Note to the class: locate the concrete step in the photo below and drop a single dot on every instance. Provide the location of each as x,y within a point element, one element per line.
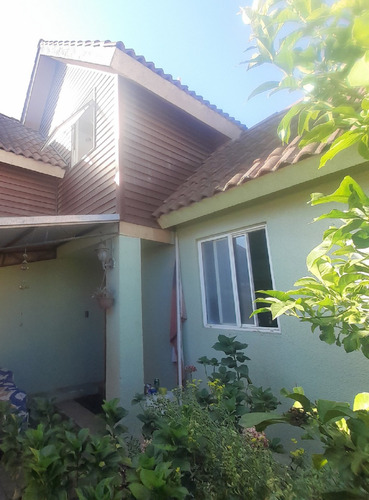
<point>81,416</point>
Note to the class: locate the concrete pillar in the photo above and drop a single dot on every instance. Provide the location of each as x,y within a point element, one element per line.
<point>124,337</point>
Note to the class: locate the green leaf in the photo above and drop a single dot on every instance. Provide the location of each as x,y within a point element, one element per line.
<point>300,398</point>
<point>279,308</point>
<point>342,142</point>
<point>360,32</point>
<point>261,420</point>
<point>264,87</point>
<point>150,479</point>
<point>319,461</point>
<point>359,74</point>
<point>284,128</point>
<point>361,239</point>
<point>139,491</point>
<point>365,103</point>
<point>342,194</point>
<point>361,401</point>
<point>327,334</point>
<point>316,253</point>
<point>243,371</point>
<point>319,133</point>
<point>332,410</point>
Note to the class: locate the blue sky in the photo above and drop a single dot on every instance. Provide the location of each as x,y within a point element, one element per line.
<point>202,42</point>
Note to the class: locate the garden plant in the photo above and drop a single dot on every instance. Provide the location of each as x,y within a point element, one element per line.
<point>322,49</point>
<point>194,446</point>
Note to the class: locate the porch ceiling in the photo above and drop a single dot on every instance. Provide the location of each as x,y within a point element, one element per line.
<point>40,236</point>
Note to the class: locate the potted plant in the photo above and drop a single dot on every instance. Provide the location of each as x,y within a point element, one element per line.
<point>104,297</point>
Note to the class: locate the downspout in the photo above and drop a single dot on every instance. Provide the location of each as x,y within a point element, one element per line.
<point>179,318</point>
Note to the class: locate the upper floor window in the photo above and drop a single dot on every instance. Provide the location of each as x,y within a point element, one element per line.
<point>83,133</point>
<point>233,268</point>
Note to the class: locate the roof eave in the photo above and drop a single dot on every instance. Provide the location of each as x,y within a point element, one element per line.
<point>31,164</point>
<point>268,184</point>
<point>111,58</point>
<point>130,68</point>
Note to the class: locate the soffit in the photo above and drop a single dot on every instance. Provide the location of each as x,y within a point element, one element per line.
<point>44,233</point>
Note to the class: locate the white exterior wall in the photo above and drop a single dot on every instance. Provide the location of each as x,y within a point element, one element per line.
<point>295,356</point>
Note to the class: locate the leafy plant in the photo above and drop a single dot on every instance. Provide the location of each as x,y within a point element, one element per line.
<point>334,299</point>
<point>322,49</point>
<point>230,379</point>
<point>212,458</point>
<point>55,459</point>
<point>344,433</point>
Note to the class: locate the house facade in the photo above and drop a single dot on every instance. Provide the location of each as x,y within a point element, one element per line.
<point>111,152</point>
<point>104,139</point>
<point>211,233</point>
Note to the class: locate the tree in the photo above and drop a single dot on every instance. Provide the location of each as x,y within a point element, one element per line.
<point>322,49</point>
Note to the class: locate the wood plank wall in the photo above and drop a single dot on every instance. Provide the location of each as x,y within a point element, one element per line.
<point>161,147</point>
<point>26,193</point>
<point>88,187</point>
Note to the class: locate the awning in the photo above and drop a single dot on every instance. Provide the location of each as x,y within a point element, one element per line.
<point>40,236</point>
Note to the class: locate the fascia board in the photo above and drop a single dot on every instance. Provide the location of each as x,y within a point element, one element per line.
<point>131,69</point>
<point>31,164</point>
<point>57,220</point>
<point>269,184</point>
<point>146,233</point>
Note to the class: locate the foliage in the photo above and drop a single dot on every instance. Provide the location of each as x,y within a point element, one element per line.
<point>194,451</point>
<point>57,460</point>
<point>322,49</point>
<point>230,375</point>
<point>213,458</point>
<point>334,299</point>
<point>344,433</point>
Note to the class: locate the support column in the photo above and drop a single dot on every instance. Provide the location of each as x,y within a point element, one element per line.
<point>124,336</point>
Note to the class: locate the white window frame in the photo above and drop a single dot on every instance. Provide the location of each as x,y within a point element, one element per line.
<point>239,325</point>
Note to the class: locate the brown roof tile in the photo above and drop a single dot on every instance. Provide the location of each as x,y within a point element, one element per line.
<point>148,64</point>
<point>18,139</point>
<point>258,151</point>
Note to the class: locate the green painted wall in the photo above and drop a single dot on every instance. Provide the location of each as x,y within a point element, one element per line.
<point>45,337</point>
<point>157,279</point>
<point>124,355</point>
<point>294,356</point>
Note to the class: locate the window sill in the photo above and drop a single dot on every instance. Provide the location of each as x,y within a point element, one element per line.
<point>251,328</point>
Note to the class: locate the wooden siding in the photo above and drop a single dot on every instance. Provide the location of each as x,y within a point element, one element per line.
<point>89,186</point>
<point>161,146</point>
<point>25,193</point>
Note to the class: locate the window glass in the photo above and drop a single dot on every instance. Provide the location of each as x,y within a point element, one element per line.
<point>245,297</point>
<point>218,282</point>
<point>234,268</point>
<point>225,287</point>
<point>261,272</point>
<point>83,134</point>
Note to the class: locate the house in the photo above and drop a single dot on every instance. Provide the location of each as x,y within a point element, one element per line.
<point>112,154</point>
<point>104,139</point>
